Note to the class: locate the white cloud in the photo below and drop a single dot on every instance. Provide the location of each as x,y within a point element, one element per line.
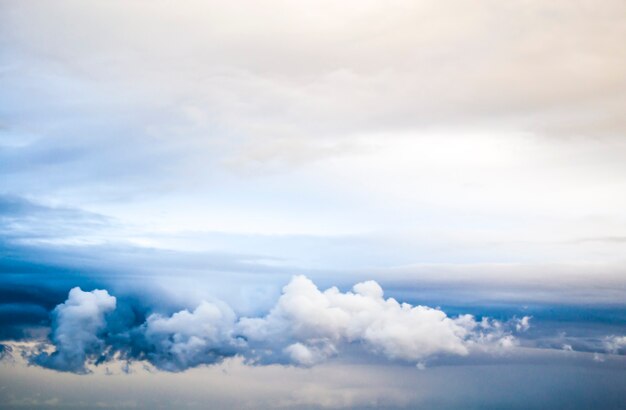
<point>187,339</point>
<point>523,324</point>
<point>348,106</point>
<point>314,325</point>
<point>77,324</point>
<point>615,344</point>
<point>309,355</point>
<point>291,69</point>
<point>305,327</point>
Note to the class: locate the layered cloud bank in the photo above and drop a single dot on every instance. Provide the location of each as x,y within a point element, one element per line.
<point>306,326</point>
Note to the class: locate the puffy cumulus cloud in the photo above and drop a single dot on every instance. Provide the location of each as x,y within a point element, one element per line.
<point>313,325</point>
<point>306,326</point>
<point>187,339</point>
<point>78,324</point>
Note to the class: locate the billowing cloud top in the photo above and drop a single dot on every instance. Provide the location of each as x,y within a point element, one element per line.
<point>313,324</point>
<point>305,327</point>
<point>77,326</point>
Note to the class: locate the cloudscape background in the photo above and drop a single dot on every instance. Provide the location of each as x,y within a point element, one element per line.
<point>312,204</point>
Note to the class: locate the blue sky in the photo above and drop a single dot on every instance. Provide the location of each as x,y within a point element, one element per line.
<point>204,172</point>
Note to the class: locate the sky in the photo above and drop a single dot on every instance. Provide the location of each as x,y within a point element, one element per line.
<point>312,204</point>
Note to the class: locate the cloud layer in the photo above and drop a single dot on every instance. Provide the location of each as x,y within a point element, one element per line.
<point>381,135</point>
<point>305,327</point>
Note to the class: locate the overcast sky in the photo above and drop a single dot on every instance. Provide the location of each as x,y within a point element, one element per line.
<point>194,156</point>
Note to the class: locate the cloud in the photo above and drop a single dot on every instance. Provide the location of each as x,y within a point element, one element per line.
<point>25,221</point>
<point>214,87</point>
<point>77,325</point>
<point>279,70</point>
<point>312,325</point>
<point>188,339</point>
<point>305,327</point>
<point>523,324</point>
<point>5,351</point>
<point>615,344</point>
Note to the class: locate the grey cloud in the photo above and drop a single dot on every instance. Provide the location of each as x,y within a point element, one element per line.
<point>23,219</point>
<point>16,207</point>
